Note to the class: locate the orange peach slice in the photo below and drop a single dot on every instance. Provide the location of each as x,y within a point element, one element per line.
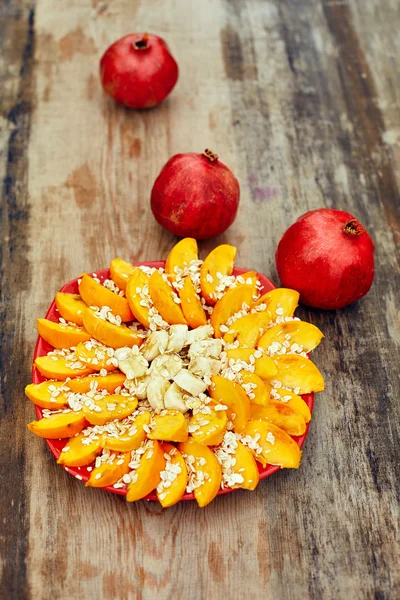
<point>231,302</point>
<point>258,389</point>
<point>70,307</point>
<point>220,261</point>
<point>120,271</point>
<point>95,294</point>
<point>301,334</point>
<point>181,255</point>
<point>192,308</point>
<point>299,373</point>
<point>283,300</point>
<point>281,415</point>
<point>147,476</point>
<point>115,336</point>
<point>203,468</point>
<point>264,366</point>
<point>48,394</point>
<point>110,382</point>
<point>59,369</point>
<point>293,401</point>
<point>108,408</point>
<point>80,451</point>
<point>133,438</point>
<point>110,471</point>
<point>169,426</point>
<point>136,283</point>
<point>273,445</point>
<point>245,466</point>
<point>59,425</point>
<point>170,493</point>
<point>163,299</point>
<point>209,429</point>
<point>248,329</point>
<point>94,355</point>
<point>61,335</point>
<point>232,395</point>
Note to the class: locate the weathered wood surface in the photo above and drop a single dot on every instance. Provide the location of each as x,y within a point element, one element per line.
<point>302,100</point>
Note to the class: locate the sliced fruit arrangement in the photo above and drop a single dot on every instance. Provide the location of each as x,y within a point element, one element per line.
<point>175,382</point>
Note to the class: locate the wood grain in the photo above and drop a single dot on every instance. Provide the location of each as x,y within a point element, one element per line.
<point>302,101</point>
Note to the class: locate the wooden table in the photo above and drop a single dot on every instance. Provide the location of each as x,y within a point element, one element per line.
<point>301,99</point>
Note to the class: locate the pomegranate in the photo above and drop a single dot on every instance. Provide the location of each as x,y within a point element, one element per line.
<point>138,70</point>
<point>195,195</point>
<point>328,257</point>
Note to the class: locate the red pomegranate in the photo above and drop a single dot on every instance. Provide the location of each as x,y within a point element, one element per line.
<point>195,195</point>
<point>328,257</point>
<point>138,70</point>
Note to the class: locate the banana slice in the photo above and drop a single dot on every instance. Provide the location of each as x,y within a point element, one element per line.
<point>189,382</point>
<point>174,399</point>
<point>166,366</point>
<point>211,348</point>
<point>133,365</point>
<point>204,365</point>
<point>155,344</point>
<point>177,337</point>
<point>203,332</point>
<point>156,390</point>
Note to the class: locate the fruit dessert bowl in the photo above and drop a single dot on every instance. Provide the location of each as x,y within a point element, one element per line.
<point>174,381</point>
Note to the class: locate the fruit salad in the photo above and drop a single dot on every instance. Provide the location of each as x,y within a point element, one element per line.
<point>186,379</point>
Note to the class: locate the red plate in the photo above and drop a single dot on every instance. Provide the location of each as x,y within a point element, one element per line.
<point>42,348</point>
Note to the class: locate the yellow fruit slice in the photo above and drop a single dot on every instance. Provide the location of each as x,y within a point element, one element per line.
<point>146,477</point>
<point>205,473</point>
<point>59,425</point>
<point>100,411</point>
<point>247,467</point>
<point>220,261</point>
<point>94,355</point>
<point>70,307</point>
<point>120,271</point>
<point>110,471</point>
<point>61,335</point>
<point>49,394</point>
<point>133,438</point>
<point>137,282</point>
<point>264,366</point>
<point>293,401</point>
<point>181,255</point>
<point>80,450</point>
<point>169,426</point>
<point>171,489</point>
<point>59,369</point>
<point>232,395</point>
<point>95,294</point>
<point>301,334</point>
<point>248,329</point>
<point>271,445</point>
<point>281,415</point>
<point>299,373</point>
<point>239,468</point>
<point>115,336</point>
<point>163,299</point>
<point>109,382</point>
<point>258,390</point>
<point>209,429</point>
<point>192,308</point>
<point>231,302</point>
<point>277,299</point>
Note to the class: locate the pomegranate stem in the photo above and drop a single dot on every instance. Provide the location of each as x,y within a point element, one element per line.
<point>353,227</point>
<point>212,157</point>
<point>142,43</point>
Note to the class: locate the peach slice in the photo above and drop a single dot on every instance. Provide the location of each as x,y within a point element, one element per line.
<point>293,401</point>
<point>80,451</point>
<point>279,298</point>
<point>108,408</point>
<point>133,438</point>
<point>120,271</point>
<point>95,294</point>
<point>230,303</point>
<point>221,261</point>
<point>170,493</point>
<point>302,334</point>
<point>264,366</point>
<point>147,476</point>
<point>136,283</point>
<point>192,308</point>
<point>203,468</point>
<point>59,425</point>
<point>248,329</point>
<point>94,355</point>
<point>70,307</point>
<point>48,394</point>
<point>109,382</point>
<point>181,255</point>
<point>110,471</point>
<point>61,335</point>
<point>296,371</point>
<point>271,445</point>
<point>59,369</point>
<point>245,466</point>
<point>259,389</point>
<point>163,299</point>
<point>169,426</point>
<point>209,429</point>
<point>232,395</point>
<point>116,336</point>
<point>281,415</point>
